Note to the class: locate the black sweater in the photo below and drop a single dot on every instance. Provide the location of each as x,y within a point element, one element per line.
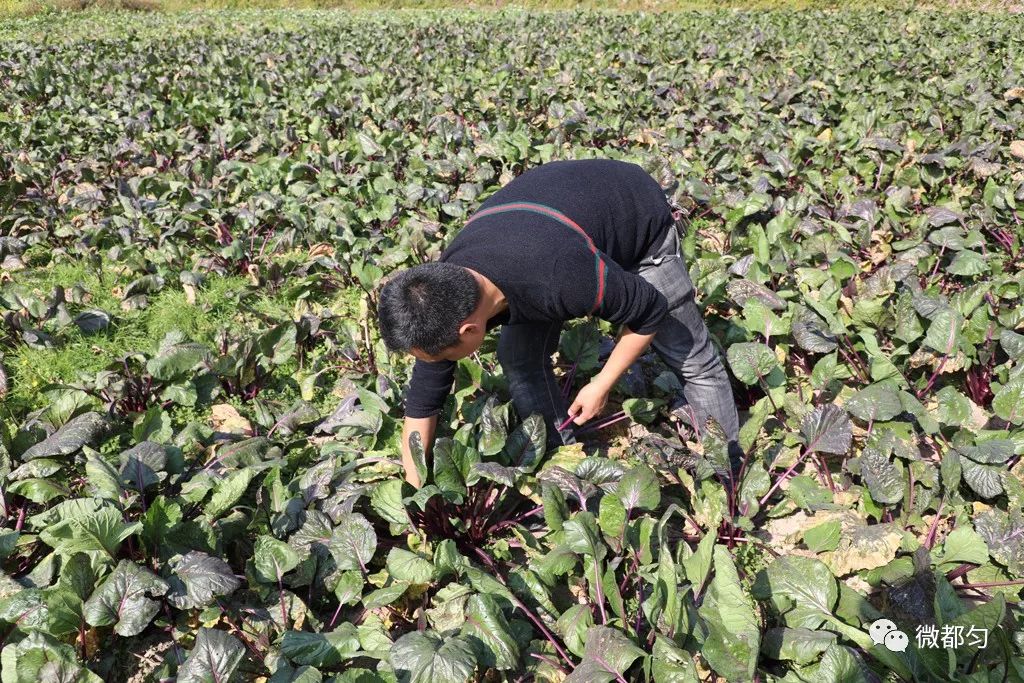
<point>558,242</point>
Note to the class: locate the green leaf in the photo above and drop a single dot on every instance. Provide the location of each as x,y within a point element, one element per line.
<point>214,659</point>
<point>642,410</point>
<point>639,488</point>
<point>425,657</point>
<point>492,471</point>
<point>827,429</point>
<point>984,480</point>
<point>198,578</point>
<point>228,492</point>
<point>611,516</point>
<point>39,491</point>
<point>606,657</point>
<point>493,427</point>
<point>25,609</point>
<point>801,589</point>
<point>487,628</point>
<point>671,664</point>
<point>41,658</point>
<point>811,333</point>
<point>104,480</point>
<point>85,429</point>
<point>556,509</point>
<point>943,334</point>
<point>573,626</point>
<point>100,531</point>
<point>734,634</point>
<point>839,665</point>
<point>448,474</point>
<point>349,588</point>
<point>967,263</point>
<point>353,542</point>
<point>1003,533</point>
<point>698,565</point>
<point>321,649</point>
<point>385,596</point>
<point>883,478</point>
<point>953,407</point>
<point>582,536</point>
<point>991,452</point>
<point>823,537</point>
<point>962,545</point>
<point>407,566</point>
<point>876,403</point>
<point>272,559</point>
<point>386,500</point>
<point>1013,343</point>
<point>303,674</point>
<point>799,645</point>
<point>1008,402</point>
<point>419,457</point>
<point>751,361</point>
<point>121,599</point>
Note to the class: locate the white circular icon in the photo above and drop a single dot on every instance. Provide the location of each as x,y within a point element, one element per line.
<point>884,632</point>
<point>896,641</point>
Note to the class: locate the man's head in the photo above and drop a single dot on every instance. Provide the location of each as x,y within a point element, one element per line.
<point>430,311</point>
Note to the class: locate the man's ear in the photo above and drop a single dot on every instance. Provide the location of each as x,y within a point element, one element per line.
<point>467,327</point>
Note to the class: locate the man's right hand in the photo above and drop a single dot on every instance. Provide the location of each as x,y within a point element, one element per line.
<point>426,426</point>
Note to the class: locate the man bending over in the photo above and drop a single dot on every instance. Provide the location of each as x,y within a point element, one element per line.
<point>564,240</point>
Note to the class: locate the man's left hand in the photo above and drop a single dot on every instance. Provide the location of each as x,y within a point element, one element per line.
<point>589,402</point>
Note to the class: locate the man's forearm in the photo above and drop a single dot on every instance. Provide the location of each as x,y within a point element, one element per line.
<point>426,426</point>
<point>629,347</point>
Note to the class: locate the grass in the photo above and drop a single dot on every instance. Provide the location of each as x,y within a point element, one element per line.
<point>130,331</point>
<point>222,302</point>
<point>29,7</point>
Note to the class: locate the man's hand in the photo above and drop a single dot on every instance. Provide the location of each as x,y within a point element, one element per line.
<point>593,397</point>
<point>589,402</point>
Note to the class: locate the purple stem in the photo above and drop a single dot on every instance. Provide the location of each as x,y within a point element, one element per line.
<point>783,478</point>
<point>606,422</point>
<point>335,617</point>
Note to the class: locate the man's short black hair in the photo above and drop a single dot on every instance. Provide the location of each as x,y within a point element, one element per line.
<point>424,306</point>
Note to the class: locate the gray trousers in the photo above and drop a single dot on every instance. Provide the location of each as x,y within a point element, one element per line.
<point>682,341</point>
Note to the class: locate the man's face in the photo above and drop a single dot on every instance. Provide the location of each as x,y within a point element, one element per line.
<point>470,339</point>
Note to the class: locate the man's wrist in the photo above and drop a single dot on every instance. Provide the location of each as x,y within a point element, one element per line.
<point>603,381</point>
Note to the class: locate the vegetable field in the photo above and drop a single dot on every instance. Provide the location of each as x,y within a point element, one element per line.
<point>199,476</point>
